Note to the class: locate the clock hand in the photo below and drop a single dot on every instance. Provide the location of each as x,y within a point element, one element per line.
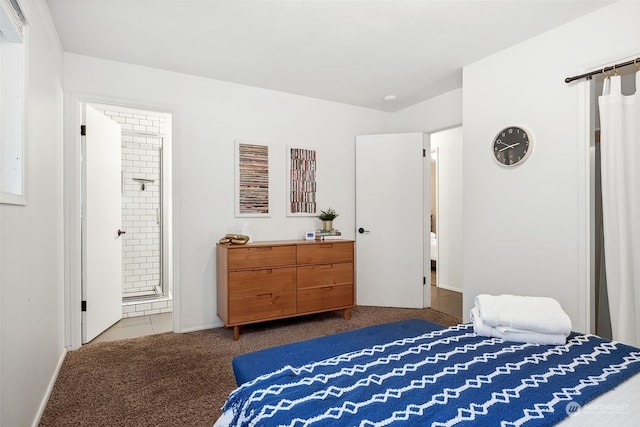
<point>509,146</point>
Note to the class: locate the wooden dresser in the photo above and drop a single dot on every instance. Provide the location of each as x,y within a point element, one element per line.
<point>273,280</point>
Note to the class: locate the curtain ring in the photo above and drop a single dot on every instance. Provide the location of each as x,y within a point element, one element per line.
<point>606,74</point>
<point>635,61</point>
<point>615,72</point>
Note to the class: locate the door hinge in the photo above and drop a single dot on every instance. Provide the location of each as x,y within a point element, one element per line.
<point>83,306</point>
<point>424,152</point>
<point>424,280</point>
<point>83,130</point>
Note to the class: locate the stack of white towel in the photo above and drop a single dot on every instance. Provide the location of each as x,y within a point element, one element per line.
<point>538,320</point>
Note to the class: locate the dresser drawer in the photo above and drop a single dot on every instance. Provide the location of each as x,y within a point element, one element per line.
<point>260,256</point>
<point>247,283</point>
<point>313,276</point>
<point>325,252</point>
<point>265,306</point>
<point>325,298</point>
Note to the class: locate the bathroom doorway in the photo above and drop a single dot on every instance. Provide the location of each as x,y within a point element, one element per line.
<point>144,175</point>
<point>600,308</point>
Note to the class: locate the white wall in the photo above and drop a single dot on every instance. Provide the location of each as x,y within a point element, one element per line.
<point>526,229</point>
<point>436,116</point>
<point>208,116</point>
<point>438,113</point>
<point>31,246</point>
<point>448,144</point>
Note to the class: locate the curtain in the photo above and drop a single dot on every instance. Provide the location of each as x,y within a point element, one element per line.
<point>620,151</point>
<point>603,317</point>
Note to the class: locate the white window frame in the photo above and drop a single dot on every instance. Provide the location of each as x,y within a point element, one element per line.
<point>12,103</point>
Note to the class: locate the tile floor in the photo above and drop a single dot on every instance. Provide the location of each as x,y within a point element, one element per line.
<point>133,327</point>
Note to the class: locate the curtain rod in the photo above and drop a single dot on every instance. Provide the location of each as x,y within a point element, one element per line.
<point>604,70</point>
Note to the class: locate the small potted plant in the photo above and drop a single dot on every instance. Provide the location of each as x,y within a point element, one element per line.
<point>327,218</point>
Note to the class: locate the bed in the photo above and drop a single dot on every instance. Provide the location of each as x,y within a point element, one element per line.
<point>415,372</point>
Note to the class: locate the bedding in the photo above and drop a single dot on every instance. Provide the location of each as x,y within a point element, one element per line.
<point>517,318</point>
<point>523,313</point>
<point>249,366</point>
<point>437,377</point>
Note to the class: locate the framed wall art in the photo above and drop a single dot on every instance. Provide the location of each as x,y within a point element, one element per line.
<point>301,181</point>
<point>251,179</point>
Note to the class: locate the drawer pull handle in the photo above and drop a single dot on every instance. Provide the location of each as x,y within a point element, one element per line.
<point>261,296</point>
<point>327,246</point>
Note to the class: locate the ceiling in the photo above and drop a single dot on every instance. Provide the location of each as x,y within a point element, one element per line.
<point>354,52</point>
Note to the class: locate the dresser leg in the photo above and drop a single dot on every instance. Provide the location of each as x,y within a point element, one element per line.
<point>347,314</point>
<point>236,333</point>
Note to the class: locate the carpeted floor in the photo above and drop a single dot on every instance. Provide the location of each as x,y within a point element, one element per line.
<point>182,379</point>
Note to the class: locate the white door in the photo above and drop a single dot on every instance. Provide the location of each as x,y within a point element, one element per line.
<point>392,205</point>
<point>102,243</point>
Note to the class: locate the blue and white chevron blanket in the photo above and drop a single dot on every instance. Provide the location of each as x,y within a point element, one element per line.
<point>441,378</point>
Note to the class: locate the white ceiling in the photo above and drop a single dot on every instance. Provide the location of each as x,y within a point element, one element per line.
<point>353,52</point>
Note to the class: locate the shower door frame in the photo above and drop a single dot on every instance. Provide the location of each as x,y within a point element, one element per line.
<point>164,284</point>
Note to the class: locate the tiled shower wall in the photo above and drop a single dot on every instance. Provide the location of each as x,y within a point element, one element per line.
<point>141,213</point>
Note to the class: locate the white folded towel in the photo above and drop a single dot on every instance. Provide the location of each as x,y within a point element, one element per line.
<point>481,328</point>
<point>517,314</point>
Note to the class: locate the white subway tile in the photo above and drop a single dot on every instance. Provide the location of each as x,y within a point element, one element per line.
<point>159,305</point>
<point>143,307</point>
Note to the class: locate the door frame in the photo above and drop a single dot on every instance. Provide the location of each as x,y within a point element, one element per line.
<point>426,220</point>
<point>435,184</point>
<point>445,264</point>
<point>72,315</point>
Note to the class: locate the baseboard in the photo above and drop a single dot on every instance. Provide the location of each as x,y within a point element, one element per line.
<point>47,395</point>
<point>449,288</point>
<point>202,327</point>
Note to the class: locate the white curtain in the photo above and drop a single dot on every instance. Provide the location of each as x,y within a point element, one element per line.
<point>620,151</point>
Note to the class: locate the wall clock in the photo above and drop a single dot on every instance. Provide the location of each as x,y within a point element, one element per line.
<point>512,146</point>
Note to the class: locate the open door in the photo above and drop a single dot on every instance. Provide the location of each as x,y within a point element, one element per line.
<point>101,217</point>
<point>392,210</point>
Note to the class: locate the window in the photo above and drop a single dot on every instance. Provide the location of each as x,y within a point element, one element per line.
<point>12,83</point>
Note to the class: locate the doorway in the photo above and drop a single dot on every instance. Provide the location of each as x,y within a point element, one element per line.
<point>600,307</point>
<point>433,216</point>
<point>446,221</point>
<point>144,177</point>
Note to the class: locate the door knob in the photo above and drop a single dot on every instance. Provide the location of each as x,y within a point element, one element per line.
<point>362,230</point>
<point>120,232</point>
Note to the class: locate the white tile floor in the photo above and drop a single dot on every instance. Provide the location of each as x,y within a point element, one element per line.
<point>133,327</point>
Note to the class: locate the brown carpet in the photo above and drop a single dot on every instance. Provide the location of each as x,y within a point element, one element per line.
<point>182,379</point>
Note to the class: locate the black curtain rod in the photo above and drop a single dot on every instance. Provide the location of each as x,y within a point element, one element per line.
<point>604,70</point>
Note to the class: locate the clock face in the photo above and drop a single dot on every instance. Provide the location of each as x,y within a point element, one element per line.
<point>512,146</point>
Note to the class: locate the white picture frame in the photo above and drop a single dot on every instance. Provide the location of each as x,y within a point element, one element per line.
<point>302,181</point>
<point>252,179</point>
